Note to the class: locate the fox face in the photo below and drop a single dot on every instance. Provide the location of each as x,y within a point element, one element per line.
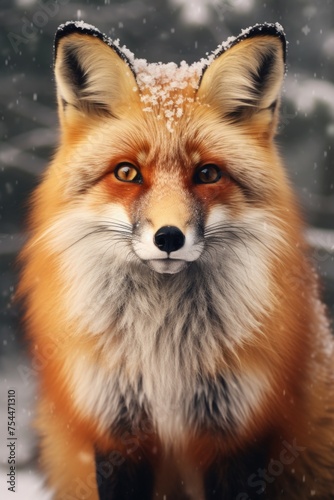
<point>166,170</point>
<point>166,206</point>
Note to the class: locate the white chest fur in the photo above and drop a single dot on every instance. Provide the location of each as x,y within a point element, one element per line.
<point>166,393</point>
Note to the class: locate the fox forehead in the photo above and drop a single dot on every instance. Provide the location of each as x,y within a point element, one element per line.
<point>142,137</point>
<point>199,134</point>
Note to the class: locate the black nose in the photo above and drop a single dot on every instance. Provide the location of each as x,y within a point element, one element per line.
<point>169,239</point>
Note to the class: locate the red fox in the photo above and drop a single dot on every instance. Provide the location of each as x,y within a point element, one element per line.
<point>167,270</point>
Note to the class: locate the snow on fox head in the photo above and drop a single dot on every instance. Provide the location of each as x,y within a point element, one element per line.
<point>167,170</point>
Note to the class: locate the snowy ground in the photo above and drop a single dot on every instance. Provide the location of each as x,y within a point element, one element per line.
<point>29,487</point>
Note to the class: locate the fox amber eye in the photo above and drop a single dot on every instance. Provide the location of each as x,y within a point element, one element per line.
<point>126,172</point>
<point>208,174</point>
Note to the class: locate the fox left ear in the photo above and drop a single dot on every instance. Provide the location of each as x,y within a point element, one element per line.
<point>244,80</point>
<point>94,77</point>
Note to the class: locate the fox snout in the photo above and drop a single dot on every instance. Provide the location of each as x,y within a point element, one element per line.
<point>168,249</point>
<point>167,235</point>
<point>168,239</point>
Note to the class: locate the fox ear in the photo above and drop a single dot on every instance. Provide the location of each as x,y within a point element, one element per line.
<point>93,75</point>
<point>244,80</point>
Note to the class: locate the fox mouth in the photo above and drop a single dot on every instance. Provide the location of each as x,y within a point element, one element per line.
<point>167,266</point>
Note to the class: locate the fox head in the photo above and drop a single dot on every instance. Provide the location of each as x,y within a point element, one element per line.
<point>167,170</point>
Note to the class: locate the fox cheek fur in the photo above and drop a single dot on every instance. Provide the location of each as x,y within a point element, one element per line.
<point>167,271</point>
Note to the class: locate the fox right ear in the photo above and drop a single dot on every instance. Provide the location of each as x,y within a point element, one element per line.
<point>93,75</point>
<point>244,80</point>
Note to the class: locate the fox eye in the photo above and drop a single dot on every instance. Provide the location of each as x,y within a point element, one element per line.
<point>126,172</point>
<point>207,174</point>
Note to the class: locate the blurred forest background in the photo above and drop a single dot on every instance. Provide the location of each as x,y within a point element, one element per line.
<point>157,30</point>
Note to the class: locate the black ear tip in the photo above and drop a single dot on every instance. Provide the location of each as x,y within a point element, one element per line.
<point>274,29</point>
<point>75,27</point>
<point>264,29</point>
<point>271,29</point>
<point>83,28</point>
